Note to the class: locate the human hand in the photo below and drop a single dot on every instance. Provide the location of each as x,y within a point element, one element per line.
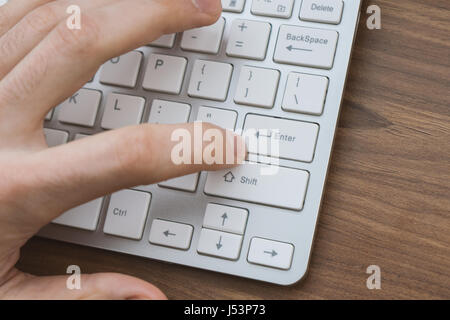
<point>42,63</point>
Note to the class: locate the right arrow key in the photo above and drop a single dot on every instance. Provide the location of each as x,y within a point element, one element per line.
<point>270,253</point>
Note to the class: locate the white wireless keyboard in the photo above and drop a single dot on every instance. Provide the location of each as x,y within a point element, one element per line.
<point>276,65</point>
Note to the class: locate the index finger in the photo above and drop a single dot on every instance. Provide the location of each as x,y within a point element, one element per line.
<point>89,168</point>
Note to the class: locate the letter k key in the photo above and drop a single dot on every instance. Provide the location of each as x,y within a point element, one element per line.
<point>73,99</point>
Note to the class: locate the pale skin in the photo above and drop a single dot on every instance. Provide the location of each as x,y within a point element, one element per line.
<point>42,63</point>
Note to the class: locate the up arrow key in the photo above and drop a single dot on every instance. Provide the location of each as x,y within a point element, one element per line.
<point>224,217</point>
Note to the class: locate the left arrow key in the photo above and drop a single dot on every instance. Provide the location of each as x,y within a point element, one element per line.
<point>171,234</point>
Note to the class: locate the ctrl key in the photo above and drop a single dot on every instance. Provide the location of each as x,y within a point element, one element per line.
<point>171,234</point>
<point>270,253</point>
<point>127,213</point>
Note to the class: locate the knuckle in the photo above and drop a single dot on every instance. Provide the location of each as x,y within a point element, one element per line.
<point>22,86</point>
<point>40,19</point>
<point>4,19</point>
<point>77,41</point>
<point>8,47</point>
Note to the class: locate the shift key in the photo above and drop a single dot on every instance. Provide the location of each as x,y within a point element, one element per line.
<point>259,183</point>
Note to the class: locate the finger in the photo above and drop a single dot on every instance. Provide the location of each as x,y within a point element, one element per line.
<point>110,286</point>
<point>60,178</point>
<point>13,11</point>
<point>66,59</point>
<point>20,39</point>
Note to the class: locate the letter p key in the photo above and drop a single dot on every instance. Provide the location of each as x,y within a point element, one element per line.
<point>159,63</point>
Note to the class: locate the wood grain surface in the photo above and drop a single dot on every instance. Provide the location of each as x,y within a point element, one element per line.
<point>388,194</point>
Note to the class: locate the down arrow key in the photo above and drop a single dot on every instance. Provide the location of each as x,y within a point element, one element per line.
<point>219,244</point>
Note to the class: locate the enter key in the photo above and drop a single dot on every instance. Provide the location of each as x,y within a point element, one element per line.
<point>281,138</point>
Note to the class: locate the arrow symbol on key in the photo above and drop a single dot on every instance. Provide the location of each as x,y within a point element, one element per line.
<point>168,233</point>
<point>273,253</point>
<point>224,217</point>
<point>262,134</point>
<point>290,48</point>
<point>219,245</point>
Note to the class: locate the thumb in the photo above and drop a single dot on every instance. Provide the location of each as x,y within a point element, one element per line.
<point>99,286</point>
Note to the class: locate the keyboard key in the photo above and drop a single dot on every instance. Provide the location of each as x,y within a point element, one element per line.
<point>206,39</point>
<point>122,71</point>
<point>305,93</point>
<point>55,137</point>
<point>84,216</point>
<point>264,184</point>
<point>81,108</point>
<point>233,5</point>
<point>225,218</point>
<point>184,183</point>
<point>273,8</point>
<point>49,115</point>
<point>270,253</point>
<point>296,139</point>
<point>80,136</point>
<point>306,47</point>
<point>171,234</point>
<point>164,73</point>
<point>248,39</point>
<point>122,110</point>
<point>165,41</point>
<point>220,117</point>
<point>210,80</point>
<point>127,213</point>
<point>219,244</point>
<point>168,112</point>
<point>257,87</point>
<point>325,11</point>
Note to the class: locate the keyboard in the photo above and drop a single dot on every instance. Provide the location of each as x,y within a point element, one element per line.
<point>277,67</point>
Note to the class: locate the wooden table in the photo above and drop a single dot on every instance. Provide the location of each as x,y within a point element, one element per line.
<point>387,198</point>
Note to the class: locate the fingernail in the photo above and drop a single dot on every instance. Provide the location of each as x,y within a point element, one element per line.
<point>206,6</point>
